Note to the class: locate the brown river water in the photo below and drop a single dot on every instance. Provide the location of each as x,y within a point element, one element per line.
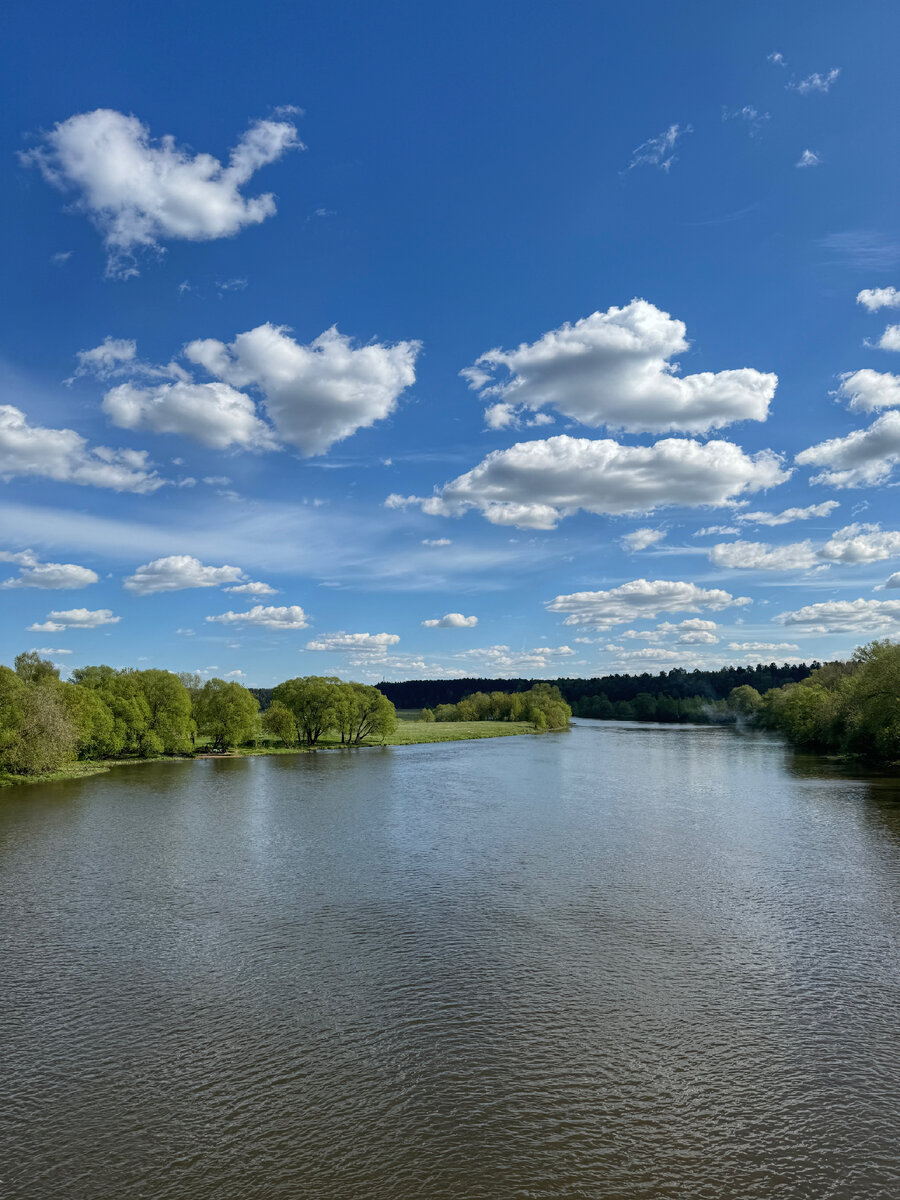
<point>619,963</point>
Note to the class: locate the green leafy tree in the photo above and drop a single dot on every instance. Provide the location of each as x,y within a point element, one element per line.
<point>870,702</point>
<point>96,735</point>
<point>745,700</point>
<point>171,721</point>
<point>226,713</point>
<point>427,714</point>
<point>41,736</point>
<point>312,702</point>
<point>373,715</point>
<point>31,668</point>
<point>12,713</point>
<point>278,721</point>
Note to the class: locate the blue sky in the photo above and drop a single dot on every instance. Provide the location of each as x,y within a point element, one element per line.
<point>249,252</point>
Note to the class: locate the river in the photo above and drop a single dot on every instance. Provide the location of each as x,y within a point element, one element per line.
<point>619,963</point>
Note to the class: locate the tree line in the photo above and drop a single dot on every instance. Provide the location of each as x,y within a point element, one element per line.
<point>103,713</point>
<point>677,684</point>
<point>541,706</point>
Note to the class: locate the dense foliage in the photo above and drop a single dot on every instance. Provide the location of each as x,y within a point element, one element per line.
<point>542,706</point>
<point>844,707</point>
<point>303,710</point>
<point>677,684</point>
<point>103,713</point>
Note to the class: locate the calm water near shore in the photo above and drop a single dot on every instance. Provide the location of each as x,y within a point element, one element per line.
<point>620,963</point>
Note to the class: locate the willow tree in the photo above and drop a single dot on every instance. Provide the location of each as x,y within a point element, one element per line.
<point>312,701</point>
<point>226,713</point>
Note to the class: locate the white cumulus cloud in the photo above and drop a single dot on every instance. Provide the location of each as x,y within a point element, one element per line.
<point>862,618</point>
<point>809,158</point>
<point>453,620</point>
<point>640,539</point>
<point>692,632</point>
<point>865,456</point>
<point>535,484</point>
<point>868,390</point>
<point>875,298</point>
<point>176,572</point>
<point>64,456</point>
<point>890,339</point>
<point>861,544</point>
<point>266,616</point>
<point>639,599</point>
<point>33,573</point>
<point>215,414</point>
<point>614,368</point>
<point>359,643</point>
<point>318,394</point>
<point>141,193</point>
<point>252,588</point>
<point>75,618</point>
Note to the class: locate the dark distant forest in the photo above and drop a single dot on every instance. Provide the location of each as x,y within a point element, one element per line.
<point>596,697</point>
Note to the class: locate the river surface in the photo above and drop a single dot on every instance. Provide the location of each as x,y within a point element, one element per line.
<point>619,963</point>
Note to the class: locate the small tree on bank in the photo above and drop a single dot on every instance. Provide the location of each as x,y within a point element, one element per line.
<point>278,720</point>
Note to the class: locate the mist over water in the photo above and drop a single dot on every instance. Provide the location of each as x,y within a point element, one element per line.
<point>625,962</point>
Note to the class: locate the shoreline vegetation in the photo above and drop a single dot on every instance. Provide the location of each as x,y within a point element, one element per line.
<point>53,730</point>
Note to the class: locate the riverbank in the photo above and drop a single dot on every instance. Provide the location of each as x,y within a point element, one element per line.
<point>407,733</point>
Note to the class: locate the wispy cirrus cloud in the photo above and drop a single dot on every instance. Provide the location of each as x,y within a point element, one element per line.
<point>867,249</point>
<point>659,151</point>
<point>816,82</point>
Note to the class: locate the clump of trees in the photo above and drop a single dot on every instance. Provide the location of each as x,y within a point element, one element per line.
<point>99,713</point>
<point>104,713</point>
<point>843,707</point>
<point>542,706</point>
<point>304,710</point>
